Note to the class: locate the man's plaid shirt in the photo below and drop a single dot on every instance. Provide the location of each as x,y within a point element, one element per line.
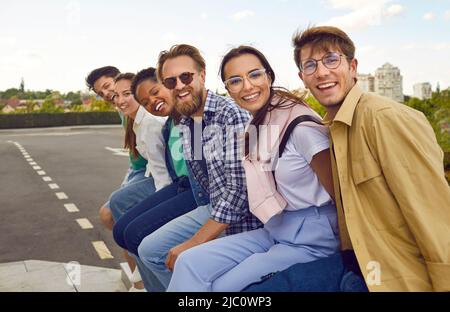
<point>221,141</point>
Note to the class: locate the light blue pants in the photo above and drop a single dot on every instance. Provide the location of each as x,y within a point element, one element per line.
<point>154,248</point>
<point>231,263</point>
<point>136,190</point>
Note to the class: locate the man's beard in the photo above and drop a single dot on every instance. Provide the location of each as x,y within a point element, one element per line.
<point>189,108</point>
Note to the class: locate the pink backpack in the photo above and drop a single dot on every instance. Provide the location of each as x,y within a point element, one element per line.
<point>263,197</point>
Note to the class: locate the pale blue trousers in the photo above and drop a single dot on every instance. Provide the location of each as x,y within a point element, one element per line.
<point>233,262</point>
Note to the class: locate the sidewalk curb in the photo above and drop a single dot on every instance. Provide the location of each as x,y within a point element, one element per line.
<point>126,274</point>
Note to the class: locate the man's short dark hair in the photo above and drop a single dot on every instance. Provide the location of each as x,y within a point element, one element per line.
<point>108,71</point>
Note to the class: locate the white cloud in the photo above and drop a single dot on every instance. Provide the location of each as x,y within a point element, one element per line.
<point>204,16</point>
<point>447,15</point>
<point>444,46</point>
<point>353,4</point>
<point>363,13</point>
<point>238,16</point>
<point>429,16</point>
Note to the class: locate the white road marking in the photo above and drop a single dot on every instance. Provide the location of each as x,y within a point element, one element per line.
<point>61,195</point>
<point>33,163</point>
<point>47,179</point>
<point>117,151</point>
<point>85,224</point>
<point>37,168</point>
<point>41,173</point>
<point>29,159</point>
<point>102,251</point>
<point>53,186</point>
<point>71,208</point>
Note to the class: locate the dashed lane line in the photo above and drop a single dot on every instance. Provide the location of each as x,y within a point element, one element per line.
<point>99,246</point>
<point>61,195</point>
<point>53,186</point>
<point>85,224</point>
<point>71,208</point>
<point>102,251</point>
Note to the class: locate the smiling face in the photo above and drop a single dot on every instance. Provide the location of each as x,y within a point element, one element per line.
<point>104,87</point>
<point>155,98</point>
<point>124,99</point>
<point>255,90</point>
<point>329,86</point>
<point>188,99</point>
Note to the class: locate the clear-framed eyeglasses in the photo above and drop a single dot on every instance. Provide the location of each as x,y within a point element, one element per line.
<point>255,77</point>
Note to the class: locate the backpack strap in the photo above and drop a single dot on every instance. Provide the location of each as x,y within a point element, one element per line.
<point>291,127</point>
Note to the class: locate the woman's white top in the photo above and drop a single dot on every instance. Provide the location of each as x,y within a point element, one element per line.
<point>150,144</point>
<point>296,181</point>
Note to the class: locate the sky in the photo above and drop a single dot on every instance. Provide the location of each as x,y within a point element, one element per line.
<point>53,44</point>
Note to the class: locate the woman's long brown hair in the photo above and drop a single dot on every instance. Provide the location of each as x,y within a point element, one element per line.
<point>130,136</point>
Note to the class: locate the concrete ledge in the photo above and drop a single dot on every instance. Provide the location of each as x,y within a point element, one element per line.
<point>45,276</point>
<point>126,274</point>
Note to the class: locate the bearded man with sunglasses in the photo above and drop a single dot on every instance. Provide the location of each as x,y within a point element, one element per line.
<point>210,130</point>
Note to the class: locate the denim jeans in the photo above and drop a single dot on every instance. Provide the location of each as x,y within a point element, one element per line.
<point>233,262</point>
<point>128,196</point>
<point>153,212</point>
<point>327,274</point>
<point>154,248</point>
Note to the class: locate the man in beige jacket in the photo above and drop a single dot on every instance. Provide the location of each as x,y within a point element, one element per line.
<point>392,197</point>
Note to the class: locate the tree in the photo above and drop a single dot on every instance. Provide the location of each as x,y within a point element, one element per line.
<point>22,85</point>
<point>49,107</point>
<point>315,105</point>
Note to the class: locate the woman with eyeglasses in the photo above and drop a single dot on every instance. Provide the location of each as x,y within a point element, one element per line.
<point>300,221</point>
<point>175,199</point>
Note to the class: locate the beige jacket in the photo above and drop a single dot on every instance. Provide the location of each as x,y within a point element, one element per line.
<point>396,201</point>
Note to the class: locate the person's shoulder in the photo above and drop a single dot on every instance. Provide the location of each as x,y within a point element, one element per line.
<point>372,105</point>
<point>228,111</point>
<point>150,120</point>
<point>380,109</point>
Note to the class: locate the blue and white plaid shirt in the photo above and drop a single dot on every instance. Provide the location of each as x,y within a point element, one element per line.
<point>224,124</point>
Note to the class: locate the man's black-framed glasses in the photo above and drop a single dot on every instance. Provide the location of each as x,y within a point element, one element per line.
<point>331,60</point>
<point>171,82</point>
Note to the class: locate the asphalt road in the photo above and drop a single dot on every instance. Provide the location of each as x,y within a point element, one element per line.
<point>34,223</point>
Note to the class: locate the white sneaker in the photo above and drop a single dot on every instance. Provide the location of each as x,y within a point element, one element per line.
<point>136,276</point>
<point>134,289</point>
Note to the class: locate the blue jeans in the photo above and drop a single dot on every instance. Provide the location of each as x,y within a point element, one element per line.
<point>233,262</point>
<point>154,248</point>
<point>153,212</point>
<point>130,177</point>
<point>327,274</point>
<point>128,196</point>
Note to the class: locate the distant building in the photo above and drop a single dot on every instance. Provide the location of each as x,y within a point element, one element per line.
<point>389,82</point>
<point>423,90</point>
<point>366,82</point>
<point>8,109</point>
